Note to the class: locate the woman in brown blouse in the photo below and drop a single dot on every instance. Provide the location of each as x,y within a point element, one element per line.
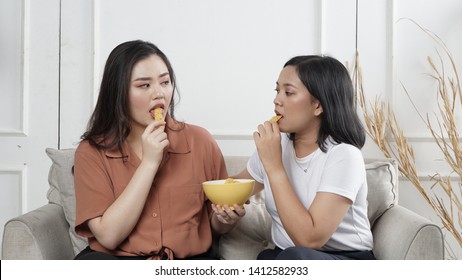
<point>137,179</point>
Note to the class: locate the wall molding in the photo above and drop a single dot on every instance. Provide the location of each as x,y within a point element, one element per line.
<point>12,133</point>
<point>21,172</point>
<point>95,57</point>
<point>25,73</point>
<point>320,21</point>
<point>223,136</point>
<point>426,178</point>
<point>23,113</point>
<point>248,136</point>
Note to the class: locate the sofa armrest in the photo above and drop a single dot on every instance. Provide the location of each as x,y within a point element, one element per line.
<point>401,234</point>
<point>40,234</point>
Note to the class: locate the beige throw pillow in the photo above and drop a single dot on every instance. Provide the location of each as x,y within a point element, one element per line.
<point>382,181</point>
<point>251,235</point>
<point>61,179</point>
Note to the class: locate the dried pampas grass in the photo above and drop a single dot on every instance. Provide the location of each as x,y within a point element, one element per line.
<point>382,126</point>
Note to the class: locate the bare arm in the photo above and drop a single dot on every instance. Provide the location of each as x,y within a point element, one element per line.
<point>244,174</point>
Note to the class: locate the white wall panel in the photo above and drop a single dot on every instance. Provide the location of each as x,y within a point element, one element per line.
<point>338,29</point>
<point>14,179</point>
<point>77,84</point>
<point>29,92</point>
<point>393,52</point>
<point>12,187</point>
<point>11,84</point>
<point>411,49</point>
<point>375,46</point>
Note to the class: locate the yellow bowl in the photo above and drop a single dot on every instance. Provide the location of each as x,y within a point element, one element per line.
<point>229,194</point>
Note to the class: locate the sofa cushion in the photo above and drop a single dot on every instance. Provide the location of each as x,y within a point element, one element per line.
<point>382,181</point>
<point>251,235</point>
<point>61,179</point>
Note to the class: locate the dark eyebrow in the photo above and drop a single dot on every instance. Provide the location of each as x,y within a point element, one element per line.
<point>150,79</point>
<point>164,74</point>
<point>142,79</point>
<point>287,85</point>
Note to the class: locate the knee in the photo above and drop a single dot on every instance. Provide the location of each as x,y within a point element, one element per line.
<point>292,253</point>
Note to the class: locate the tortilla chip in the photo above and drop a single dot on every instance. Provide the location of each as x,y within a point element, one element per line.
<point>158,114</point>
<point>275,118</point>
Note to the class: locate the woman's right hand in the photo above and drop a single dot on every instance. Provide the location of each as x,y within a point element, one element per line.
<point>268,142</point>
<point>154,141</point>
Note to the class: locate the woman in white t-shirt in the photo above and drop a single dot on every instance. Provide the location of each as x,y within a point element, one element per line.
<point>310,165</point>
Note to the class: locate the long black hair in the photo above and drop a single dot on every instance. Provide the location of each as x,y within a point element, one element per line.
<point>329,82</point>
<point>109,125</point>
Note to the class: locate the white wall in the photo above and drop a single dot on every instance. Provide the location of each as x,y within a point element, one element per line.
<point>227,56</point>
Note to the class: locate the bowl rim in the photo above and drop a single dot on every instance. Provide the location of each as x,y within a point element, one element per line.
<point>222,181</point>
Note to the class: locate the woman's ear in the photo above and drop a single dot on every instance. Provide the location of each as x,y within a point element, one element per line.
<point>318,108</point>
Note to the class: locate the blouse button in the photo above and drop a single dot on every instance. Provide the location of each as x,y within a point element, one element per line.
<point>154,215</point>
<point>265,243</point>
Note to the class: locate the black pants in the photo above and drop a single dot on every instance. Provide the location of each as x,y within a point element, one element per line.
<point>303,253</point>
<point>90,254</point>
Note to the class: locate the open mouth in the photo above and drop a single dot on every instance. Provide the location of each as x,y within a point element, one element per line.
<point>151,111</point>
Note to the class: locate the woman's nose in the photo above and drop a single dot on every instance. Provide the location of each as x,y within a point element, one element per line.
<point>276,101</point>
<point>158,93</point>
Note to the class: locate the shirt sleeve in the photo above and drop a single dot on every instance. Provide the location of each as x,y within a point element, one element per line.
<point>93,190</point>
<point>344,172</point>
<point>255,168</point>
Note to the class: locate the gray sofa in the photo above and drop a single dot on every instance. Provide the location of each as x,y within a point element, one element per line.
<point>47,232</point>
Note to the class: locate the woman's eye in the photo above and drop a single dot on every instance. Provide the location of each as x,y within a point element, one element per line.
<point>144,86</point>
<point>288,93</point>
<point>276,90</point>
<point>165,83</point>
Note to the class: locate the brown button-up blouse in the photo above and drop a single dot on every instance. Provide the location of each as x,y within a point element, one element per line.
<point>176,216</point>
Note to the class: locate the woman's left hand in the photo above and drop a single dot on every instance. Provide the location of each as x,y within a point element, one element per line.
<point>227,216</point>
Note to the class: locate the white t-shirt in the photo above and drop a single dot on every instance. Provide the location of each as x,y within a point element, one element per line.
<point>341,171</point>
